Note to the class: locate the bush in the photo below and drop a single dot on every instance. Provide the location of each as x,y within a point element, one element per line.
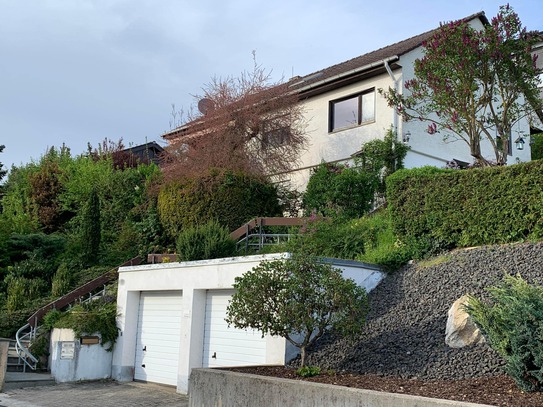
<point>308,371</point>
<point>210,241</point>
<point>63,280</point>
<point>298,299</point>
<point>336,190</point>
<point>442,209</point>
<point>98,316</point>
<point>231,198</point>
<point>328,238</point>
<point>512,323</point>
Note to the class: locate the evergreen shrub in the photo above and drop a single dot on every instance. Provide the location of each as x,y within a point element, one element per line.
<point>512,323</point>
<point>336,190</point>
<point>231,198</point>
<point>209,241</point>
<point>435,209</point>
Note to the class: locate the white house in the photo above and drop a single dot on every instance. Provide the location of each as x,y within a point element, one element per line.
<point>343,110</point>
<point>171,319</point>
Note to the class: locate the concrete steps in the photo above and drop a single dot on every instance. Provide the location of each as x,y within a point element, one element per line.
<point>14,364</point>
<point>18,380</point>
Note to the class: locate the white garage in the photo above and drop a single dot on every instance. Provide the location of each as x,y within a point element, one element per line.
<point>158,337</point>
<point>171,317</point>
<point>228,346</point>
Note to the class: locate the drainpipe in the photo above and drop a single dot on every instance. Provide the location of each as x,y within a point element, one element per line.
<point>394,113</point>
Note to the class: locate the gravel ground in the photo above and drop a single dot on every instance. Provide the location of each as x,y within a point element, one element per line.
<point>405,330</point>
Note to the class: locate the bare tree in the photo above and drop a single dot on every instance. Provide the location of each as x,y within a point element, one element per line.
<point>245,123</point>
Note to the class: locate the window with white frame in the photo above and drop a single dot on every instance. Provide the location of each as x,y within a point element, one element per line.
<point>352,111</point>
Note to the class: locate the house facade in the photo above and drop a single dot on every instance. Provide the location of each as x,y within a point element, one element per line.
<point>343,110</point>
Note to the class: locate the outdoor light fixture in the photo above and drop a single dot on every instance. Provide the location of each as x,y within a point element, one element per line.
<point>406,137</point>
<point>519,143</point>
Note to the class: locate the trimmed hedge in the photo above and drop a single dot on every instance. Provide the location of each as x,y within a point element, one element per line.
<point>339,191</point>
<point>230,198</point>
<point>441,209</point>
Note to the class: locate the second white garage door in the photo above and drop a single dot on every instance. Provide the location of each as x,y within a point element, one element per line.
<point>228,346</point>
<point>157,340</point>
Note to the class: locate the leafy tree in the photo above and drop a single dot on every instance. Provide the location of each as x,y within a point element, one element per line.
<point>298,299</point>
<point>382,157</point>
<point>2,172</point>
<point>537,146</point>
<point>336,190</point>
<point>91,230</point>
<point>247,123</point>
<point>512,322</point>
<point>473,84</point>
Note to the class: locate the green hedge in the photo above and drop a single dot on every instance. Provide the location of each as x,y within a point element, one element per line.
<point>231,198</point>
<point>441,209</point>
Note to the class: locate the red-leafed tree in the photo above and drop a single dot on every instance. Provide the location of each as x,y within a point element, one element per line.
<point>246,123</point>
<point>474,84</point>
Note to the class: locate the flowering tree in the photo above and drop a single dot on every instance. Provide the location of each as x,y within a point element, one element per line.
<point>474,84</point>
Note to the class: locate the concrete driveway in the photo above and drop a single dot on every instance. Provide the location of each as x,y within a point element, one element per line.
<point>94,394</point>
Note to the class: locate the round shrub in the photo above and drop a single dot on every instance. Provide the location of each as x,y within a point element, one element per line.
<point>231,198</point>
<point>210,241</point>
<point>335,190</point>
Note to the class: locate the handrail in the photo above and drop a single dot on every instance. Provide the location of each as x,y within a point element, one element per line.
<point>22,351</point>
<point>67,299</point>
<point>245,229</point>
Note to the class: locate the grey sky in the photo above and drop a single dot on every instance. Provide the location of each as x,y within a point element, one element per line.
<point>77,71</point>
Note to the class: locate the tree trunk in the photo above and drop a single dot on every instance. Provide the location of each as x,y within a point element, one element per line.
<point>302,356</point>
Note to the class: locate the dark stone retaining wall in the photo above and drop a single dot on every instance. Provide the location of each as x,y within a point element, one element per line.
<point>405,330</point>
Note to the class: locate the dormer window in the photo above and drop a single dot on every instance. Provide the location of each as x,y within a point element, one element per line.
<point>352,111</point>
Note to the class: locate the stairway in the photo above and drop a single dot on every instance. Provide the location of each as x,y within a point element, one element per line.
<point>18,375</point>
<point>14,363</point>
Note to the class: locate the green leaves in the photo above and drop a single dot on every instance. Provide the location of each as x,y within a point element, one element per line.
<point>209,241</point>
<point>299,299</point>
<point>470,82</point>
<point>512,322</point>
<point>335,190</point>
<point>450,208</point>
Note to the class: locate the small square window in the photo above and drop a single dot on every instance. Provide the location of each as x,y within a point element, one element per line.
<point>352,111</point>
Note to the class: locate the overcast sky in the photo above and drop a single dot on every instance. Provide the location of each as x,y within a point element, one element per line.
<point>77,71</point>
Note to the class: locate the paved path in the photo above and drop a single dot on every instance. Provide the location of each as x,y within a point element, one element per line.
<point>94,394</point>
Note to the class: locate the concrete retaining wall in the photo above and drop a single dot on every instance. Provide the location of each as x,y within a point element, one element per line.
<point>4,345</point>
<point>219,388</point>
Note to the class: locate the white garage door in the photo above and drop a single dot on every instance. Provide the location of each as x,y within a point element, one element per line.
<point>157,340</point>
<point>228,346</point>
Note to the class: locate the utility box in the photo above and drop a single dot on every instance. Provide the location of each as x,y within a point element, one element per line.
<point>73,359</point>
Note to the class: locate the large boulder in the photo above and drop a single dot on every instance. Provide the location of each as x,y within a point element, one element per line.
<point>461,331</point>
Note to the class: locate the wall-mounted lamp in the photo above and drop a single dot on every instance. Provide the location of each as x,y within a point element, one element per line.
<point>406,137</point>
<point>519,143</point>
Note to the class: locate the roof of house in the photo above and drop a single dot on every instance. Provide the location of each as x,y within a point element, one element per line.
<point>355,69</point>
<point>353,66</point>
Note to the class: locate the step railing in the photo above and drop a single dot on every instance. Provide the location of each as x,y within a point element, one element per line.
<point>87,292</point>
<point>253,235</point>
<point>26,334</point>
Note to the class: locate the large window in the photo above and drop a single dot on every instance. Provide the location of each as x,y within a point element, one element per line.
<point>352,111</point>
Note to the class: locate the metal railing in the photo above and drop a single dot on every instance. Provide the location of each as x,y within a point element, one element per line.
<point>23,352</point>
<point>86,293</point>
<point>254,234</point>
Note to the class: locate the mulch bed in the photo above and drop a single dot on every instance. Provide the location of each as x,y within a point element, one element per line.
<point>493,390</point>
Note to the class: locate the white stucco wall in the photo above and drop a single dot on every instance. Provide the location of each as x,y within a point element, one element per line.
<point>194,279</point>
<point>90,362</point>
<point>426,149</point>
